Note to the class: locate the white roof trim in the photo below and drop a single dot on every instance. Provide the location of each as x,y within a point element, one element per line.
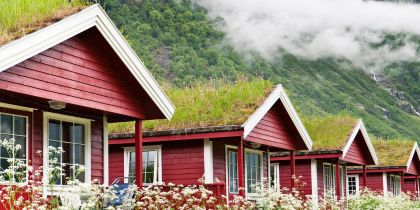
<point>360,127</point>
<point>415,149</point>
<point>275,95</point>
<point>93,16</point>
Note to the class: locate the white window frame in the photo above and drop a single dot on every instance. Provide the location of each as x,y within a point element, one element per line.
<point>231,147</point>
<point>276,176</point>
<point>66,118</point>
<point>27,145</point>
<point>157,175</point>
<point>356,178</point>
<point>260,153</point>
<point>395,190</point>
<point>227,148</point>
<point>330,178</point>
<point>333,178</point>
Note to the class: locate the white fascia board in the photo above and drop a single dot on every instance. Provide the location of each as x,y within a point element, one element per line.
<point>105,150</point>
<point>208,161</point>
<point>277,94</point>
<point>314,182</point>
<point>385,184</point>
<point>93,16</point>
<point>413,150</point>
<point>360,127</point>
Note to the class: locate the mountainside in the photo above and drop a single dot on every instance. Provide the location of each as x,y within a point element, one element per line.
<point>180,44</point>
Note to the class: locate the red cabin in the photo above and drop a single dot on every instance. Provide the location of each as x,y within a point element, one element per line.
<point>61,85</point>
<point>338,143</point>
<point>398,169</point>
<point>221,132</point>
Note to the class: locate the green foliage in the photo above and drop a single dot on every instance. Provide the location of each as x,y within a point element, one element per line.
<point>387,153</point>
<point>18,17</point>
<point>330,132</point>
<point>181,45</point>
<point>209,104</point>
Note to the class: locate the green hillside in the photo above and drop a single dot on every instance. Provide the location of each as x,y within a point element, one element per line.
<point>180,45</point>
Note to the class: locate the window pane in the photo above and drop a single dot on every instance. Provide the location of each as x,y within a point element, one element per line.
<point>20,140</point>
<point>4,164</point>
<point>78,131</point>
<point>132,169</point>
<point>144,157</point>
<point>67,154</point>
<point>54,130</point>
<point>233,171</point>
<point>152,156</point>
<point>3,151</point>
<point>150,167</point>
<point>132,157</point>
<point>6,124</point>
<point>67,134</point>
<point>20,125</point>
<point>67,173</point>
<point>79,154</point>
<point>148,178</point>
<point>81,176</point>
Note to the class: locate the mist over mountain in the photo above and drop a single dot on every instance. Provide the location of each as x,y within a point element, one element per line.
<point>353,56</point>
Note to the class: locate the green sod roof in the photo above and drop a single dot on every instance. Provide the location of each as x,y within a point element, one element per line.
<point>21,17</point>
<point>393,152</point>
<point>209,104</point>
<point>330,132</point>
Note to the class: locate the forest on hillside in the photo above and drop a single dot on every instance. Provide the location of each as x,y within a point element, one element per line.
<point>181,45</point>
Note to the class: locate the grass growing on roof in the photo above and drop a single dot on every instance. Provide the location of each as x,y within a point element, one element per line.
<point>208,104</point>
<point>329,132</point>
<point>393,152</point>
<point>20,17</point>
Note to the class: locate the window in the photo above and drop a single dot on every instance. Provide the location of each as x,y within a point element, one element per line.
<point>151,161</point>
<point>274,176</point>
<point>395,184</point>
<point>253,169</point>
<point>233,171</point>
<point>352,185</point>
<point>72,135</point>
<point>13,127</point>
<point>328,178</point>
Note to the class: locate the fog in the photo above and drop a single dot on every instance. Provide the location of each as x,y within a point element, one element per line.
<point>315,29</point>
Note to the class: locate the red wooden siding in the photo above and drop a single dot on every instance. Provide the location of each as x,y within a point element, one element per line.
<point>78,71</point>
<point>37,139</point>
<point>219,161</point>
<point>97,148</point>
<point>374,181</point>
<point>265,165</point>
<point>276,129</point>
<point>358,152</point>
<point>409,186</point>
<point>303,168</point>
<point>116,162</point>
<point>414,165</point>
<point>183,162</point>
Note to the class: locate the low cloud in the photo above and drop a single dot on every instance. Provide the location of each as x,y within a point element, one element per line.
<point>352,29</point>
